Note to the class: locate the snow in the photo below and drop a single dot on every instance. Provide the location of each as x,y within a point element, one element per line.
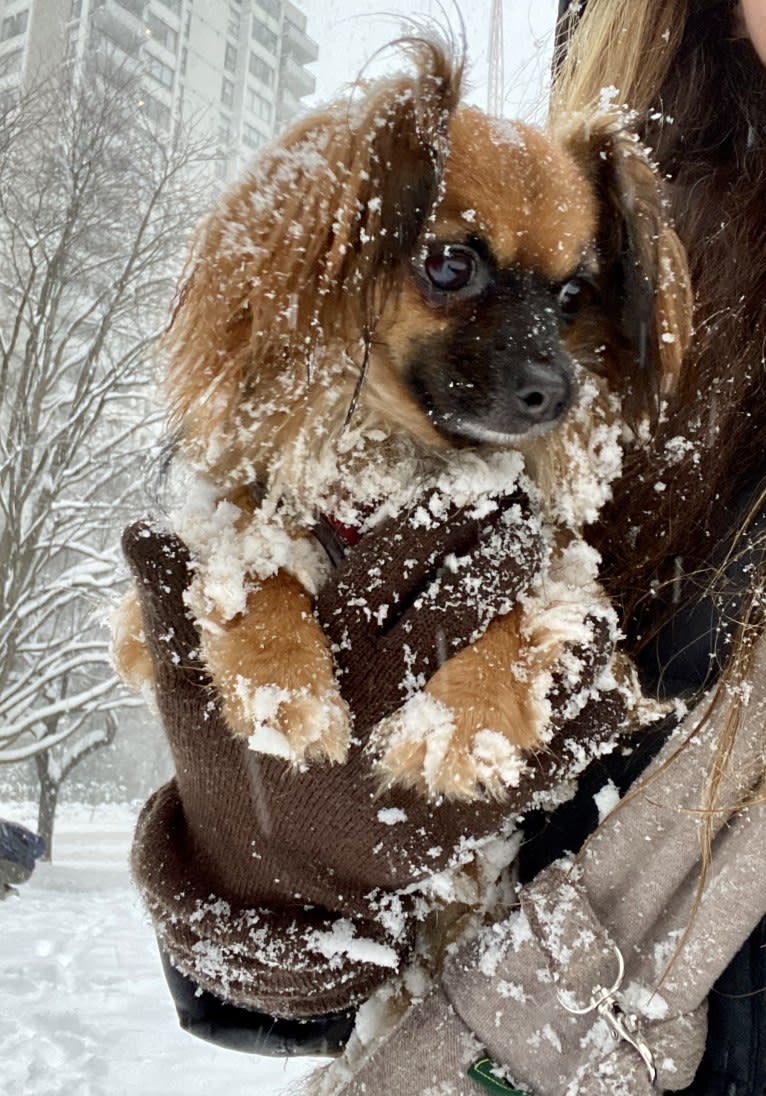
<point>84,1006</point>
<point>606,800</point>
<point>342,940</point>
<point>389,816</point>
<point>210,526</point>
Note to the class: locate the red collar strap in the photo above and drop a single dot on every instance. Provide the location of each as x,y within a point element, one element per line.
<point>334,536</point>
<point>349,534</point>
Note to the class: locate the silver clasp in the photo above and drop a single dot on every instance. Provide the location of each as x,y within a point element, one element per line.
<point>624,1025</point>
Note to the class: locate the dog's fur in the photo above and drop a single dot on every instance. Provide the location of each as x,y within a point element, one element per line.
<point>311,306</point>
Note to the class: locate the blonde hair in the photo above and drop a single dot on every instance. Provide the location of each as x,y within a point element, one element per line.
<point>606,53</point>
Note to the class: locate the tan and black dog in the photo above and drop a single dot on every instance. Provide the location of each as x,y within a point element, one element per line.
<point>408,272</point>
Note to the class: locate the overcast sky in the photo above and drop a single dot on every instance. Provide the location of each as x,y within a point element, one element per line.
<point>350,31</point>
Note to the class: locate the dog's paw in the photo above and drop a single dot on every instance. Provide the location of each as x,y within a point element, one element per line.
<point>442,753</point>
<point>299,725</point>
<point>273,673</point>
<point>128,651</point>
<point>467,734</point>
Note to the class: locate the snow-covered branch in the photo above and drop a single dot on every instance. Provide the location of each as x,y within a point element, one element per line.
<point>93,213</point>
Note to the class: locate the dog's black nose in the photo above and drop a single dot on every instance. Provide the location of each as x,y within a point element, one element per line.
<point>542,391</point>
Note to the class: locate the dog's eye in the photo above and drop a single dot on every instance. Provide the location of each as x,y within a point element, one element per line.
<point>574,294</point>
<point>451,267</point>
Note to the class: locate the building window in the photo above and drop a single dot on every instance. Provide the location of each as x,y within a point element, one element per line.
<point>159,71</point>
<point>270,6</point>
<point>184,59</point>
<point>261,71</point>
<point>161,32</point>
<point>135,7</point>
<point>72,37</point>
<point>75,11</point>
<point>13,26</point>
<point>262,34</point>
<point>230,59</point>
<point>252,137</point>
<point>224,132</point>
<point>234,28</point>
<point>155,111</point>
<point>259,105</point>
<point>227,93</point>
<point>11,62</point>
<point>172,5</point>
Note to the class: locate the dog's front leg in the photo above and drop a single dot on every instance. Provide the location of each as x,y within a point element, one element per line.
<point>273,672</point>
<point>129,654</point>
<point>485,709</point>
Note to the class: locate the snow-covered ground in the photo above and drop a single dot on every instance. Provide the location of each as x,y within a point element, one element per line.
<point>84,1010</point>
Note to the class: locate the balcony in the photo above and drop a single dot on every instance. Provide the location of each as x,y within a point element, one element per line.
<point>295,78</point>
<point>287,108</point>
<point>105,26</point>
<point>297,44</point>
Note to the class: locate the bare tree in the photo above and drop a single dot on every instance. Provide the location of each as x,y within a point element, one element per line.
<point>54,764</point>
<point>95,207</point>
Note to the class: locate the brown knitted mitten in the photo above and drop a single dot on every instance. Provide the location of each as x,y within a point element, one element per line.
<point>290,891</point>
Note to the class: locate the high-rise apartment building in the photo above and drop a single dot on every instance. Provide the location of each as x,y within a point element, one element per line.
<point>235,68</point>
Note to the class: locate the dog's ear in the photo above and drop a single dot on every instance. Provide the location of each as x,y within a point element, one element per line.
<point>644,279</point>
<point>305,248</point>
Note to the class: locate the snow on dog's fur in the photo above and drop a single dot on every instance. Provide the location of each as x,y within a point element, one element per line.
<point>403,296</point>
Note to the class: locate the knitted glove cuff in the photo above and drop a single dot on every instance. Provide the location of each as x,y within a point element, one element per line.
<point>292,962</point>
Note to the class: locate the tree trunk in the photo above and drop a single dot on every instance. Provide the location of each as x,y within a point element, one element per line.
<point>46,803</point>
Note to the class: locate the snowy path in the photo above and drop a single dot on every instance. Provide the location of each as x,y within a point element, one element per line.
<point>84,1010</point>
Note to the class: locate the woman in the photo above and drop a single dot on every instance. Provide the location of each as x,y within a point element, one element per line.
<point>507,1009</point>
<point>681,556</point>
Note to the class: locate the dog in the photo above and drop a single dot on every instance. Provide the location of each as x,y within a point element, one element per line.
<point>403,286</point>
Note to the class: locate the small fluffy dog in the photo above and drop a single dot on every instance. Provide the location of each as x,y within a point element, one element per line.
<point>404,288</point>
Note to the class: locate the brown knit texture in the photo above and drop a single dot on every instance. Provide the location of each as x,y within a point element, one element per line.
<point>250,868</point>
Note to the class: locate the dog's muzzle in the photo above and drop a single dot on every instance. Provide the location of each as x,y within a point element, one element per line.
<point>511,400</point>
<point>541,393</point>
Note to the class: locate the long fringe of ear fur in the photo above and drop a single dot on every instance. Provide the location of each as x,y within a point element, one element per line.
<point>303,250</point>
<point>644,274</point>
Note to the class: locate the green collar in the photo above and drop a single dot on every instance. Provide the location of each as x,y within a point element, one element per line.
<point>486,1073</point>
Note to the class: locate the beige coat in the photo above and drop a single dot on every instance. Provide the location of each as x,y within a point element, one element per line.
<point>505,997</point>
